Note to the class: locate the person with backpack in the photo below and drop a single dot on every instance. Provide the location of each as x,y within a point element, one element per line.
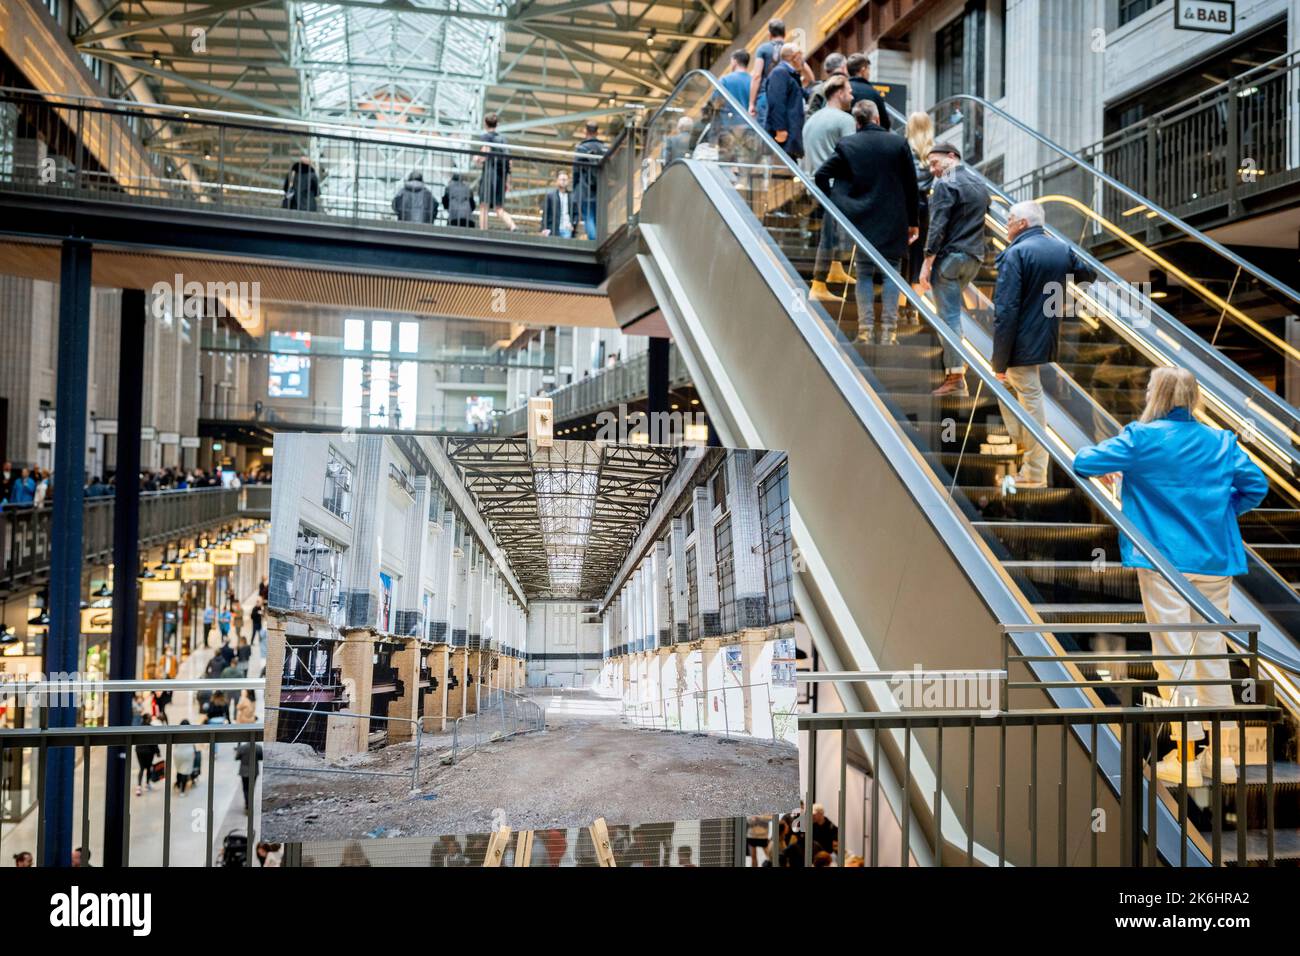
<point>184,761</point>
<point>414,202</point>
<point>765,59</point>
<point>458,200</point>
<point>495,181</point>
<point>585,171</point>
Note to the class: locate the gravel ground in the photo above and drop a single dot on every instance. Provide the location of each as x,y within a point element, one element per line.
<point>584,766</point>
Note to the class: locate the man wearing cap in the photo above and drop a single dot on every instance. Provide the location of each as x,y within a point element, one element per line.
<point>954,249</point>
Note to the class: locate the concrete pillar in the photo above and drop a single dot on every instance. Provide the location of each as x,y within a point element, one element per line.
<point>435,699</point>
<point>756,647</point>
<point>662,608</point>
<point>361,599</point>
<point>355,657</point>
<point>706,565</point>
<point>687,682</point>
<point>474,593</point>
<point>405,707</point>
<point>444,543</point>
<point>680,599</point>
<point>746,542</point>
<point>713,684</point>
<point>473,680</point>
<point>459,594</point>
<point>275,632</point>
<point>666,661</point>
<point>282,540</point>
<point>408,620</point>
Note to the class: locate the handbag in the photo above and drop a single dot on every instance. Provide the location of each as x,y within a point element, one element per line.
<point>158,770</point>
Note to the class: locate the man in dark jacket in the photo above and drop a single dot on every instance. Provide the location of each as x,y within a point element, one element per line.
<point>875,188</point>
<point>585,172</point>
<point>458,200</point>
<point>415,203</point>
<point>954,248</point>
<point>785,101</point>
<point>859,68</point>
<point>1033,272</point>
<point>557,208</point>
<point>301,186</point>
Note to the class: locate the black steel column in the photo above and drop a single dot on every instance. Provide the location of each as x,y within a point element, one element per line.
<point>657,378</point>
<point>126,556</point>
<point>62,640</point>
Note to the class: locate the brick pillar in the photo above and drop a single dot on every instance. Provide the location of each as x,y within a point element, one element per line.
<point>275,626</point>
<point>456,695</point>
<point>474,680</point>
<point>405,706</point>
<point>355,656</point>
<point>435,699</point>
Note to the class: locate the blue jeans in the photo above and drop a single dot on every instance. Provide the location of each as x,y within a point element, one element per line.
<point>949,276</point>
<point>587,212</point>
<point>864,272</point>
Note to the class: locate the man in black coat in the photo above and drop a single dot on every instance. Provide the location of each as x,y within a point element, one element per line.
<point>875,188</point>
<point>1033,274</point>
<point>859,68</point>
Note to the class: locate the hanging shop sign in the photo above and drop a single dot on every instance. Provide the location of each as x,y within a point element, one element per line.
<point>1206,16</point>
<point>96,620</point>
<point>169,591</point>
<point>169,438</point>
<point>223,557</point>
<point>197,571</point>
<point>105,426</point>
<point>243,546</point>
<point>259,537</point>
<point>191,441</point>
<point>148,433</point>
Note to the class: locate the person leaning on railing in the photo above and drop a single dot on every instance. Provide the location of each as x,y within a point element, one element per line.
<point>1184,485</point>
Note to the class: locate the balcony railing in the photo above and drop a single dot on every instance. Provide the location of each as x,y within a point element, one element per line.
<point>605,389</point>
<point>1215,151</point>
<point>25,532</point>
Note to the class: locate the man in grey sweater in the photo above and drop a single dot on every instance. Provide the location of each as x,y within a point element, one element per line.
<point>823,131</point>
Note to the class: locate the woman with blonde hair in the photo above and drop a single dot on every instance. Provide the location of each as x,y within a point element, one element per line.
<point>1184,485</point>
<point>920,137</point>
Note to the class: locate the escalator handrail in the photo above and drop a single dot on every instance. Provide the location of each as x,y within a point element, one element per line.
<point>1189,230</point>
<point>1251,388</point>
<point>997,390</point>
<point>1277,404</point>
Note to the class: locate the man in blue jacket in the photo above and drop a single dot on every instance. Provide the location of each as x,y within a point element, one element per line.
<point>1184,486</point>
<point>1033,273</point>
<point>785,101</point>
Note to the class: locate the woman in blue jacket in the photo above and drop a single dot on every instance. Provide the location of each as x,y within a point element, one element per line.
<point>1184,486</point>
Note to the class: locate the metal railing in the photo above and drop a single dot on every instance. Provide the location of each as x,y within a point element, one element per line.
<point>1045,737</point>
<point>326,416</point>
<point>607,388</point>
<point>1227,144</point>
<point>500,714</point>
<point>91,742</point>
<point>153,154</point>
<point>316,734</point>
<point>25,531</point>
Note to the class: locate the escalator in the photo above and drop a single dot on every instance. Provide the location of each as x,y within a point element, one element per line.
<point>897,493</point>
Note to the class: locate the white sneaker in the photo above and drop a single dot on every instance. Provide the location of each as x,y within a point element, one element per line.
<point>1170,770</point>
<point>1227,767</point>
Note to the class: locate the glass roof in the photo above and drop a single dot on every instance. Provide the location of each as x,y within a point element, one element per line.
<point>398,69</point>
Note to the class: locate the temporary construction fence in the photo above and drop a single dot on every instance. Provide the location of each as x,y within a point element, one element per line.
<point>500,714</point>
<point>733,710</point>
<point>342,740</point>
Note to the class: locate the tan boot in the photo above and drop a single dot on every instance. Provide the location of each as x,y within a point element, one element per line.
<point>839,275</point>
<point>954,383</point>
<point>819,293</point>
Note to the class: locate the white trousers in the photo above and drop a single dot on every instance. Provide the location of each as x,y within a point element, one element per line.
<point>1165,606</point>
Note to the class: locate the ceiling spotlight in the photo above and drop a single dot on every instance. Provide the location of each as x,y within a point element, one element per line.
<point>650,37</point>
<point>157,60</point>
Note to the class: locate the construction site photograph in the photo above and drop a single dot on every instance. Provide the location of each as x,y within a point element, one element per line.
<point>473,634</point>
